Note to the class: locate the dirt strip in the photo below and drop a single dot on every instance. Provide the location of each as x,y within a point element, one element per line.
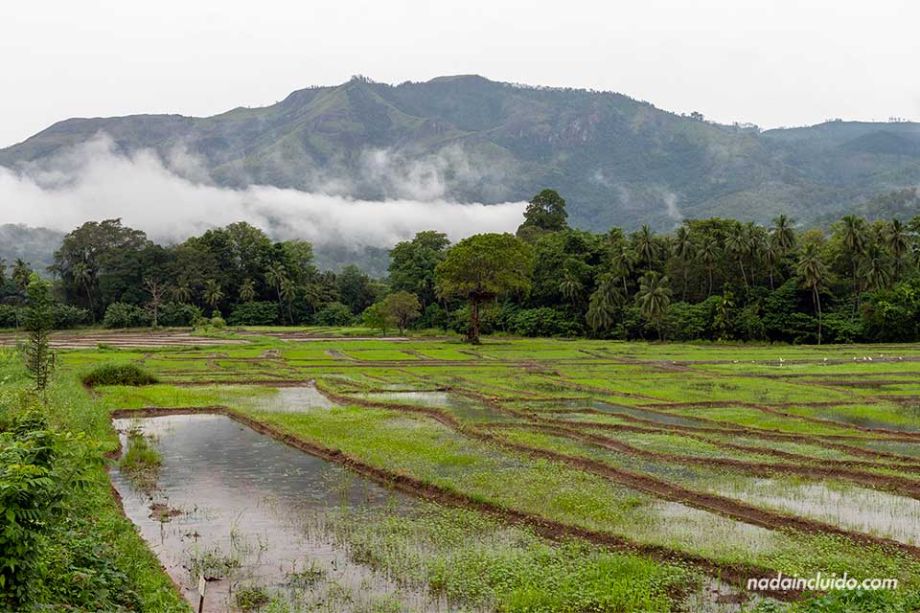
<point>736,574</point>
<point>899,485</point>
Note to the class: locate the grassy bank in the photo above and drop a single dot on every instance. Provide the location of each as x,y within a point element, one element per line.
<point>87,556</point>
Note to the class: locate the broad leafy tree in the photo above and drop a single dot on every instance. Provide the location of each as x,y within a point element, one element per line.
<point>482,267</point>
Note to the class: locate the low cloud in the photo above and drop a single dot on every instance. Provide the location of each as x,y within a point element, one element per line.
<point>173,198</point>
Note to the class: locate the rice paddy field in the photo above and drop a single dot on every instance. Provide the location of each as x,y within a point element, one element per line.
<point>329,470</point>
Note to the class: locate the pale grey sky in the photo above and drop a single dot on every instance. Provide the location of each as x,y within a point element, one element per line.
<point>771,62</point>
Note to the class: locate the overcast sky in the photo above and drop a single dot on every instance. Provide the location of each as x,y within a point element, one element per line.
<point>771,62</point>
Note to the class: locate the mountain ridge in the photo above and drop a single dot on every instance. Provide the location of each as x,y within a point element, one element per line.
<point>619,161</point>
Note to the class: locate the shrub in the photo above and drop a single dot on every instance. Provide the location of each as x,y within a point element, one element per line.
<point>68,316</point>
<point>543,321</point>
<point>118,374</point>
<point>254,314</point>
<point>178,314</point>
<point>217,321</point>
<point>123,315</point>
<point>334,314</point>
<point>10,316</point>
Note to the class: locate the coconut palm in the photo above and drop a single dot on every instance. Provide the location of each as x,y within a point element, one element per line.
<point>738,245</point>
<point>603,304</point>
<point>873,269</point>
<point>684,251</point>
<point>708,255</point>
<point>855,239</point>
<point>782,234</point>
<point>83,274</point>
<point>247,290</point>
<point>646,248</point>
<point>571,288</point>
<point>813,274</point>
<point>276,276</point>
<point>898,242</point>
<point>288,292</point>
<point>623,261</point>
<point>654,298</point>
<point>212,293</point>
<point>21,274</point>
<point>181,292</point>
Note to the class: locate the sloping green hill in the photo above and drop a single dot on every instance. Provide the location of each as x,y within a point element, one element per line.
<point>617,160</point>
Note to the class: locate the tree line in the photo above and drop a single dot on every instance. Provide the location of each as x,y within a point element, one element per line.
<point>713,279</point>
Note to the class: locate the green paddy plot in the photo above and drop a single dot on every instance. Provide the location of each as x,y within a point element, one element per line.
<point>761,420</point>
<point>879,415</point>
<point>527,508</point>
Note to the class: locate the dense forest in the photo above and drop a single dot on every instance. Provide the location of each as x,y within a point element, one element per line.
<point>712,279</point>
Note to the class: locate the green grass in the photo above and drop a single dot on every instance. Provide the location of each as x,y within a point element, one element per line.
<point>93,558</point>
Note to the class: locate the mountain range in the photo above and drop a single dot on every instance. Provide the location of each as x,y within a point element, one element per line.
<point>617,160</point>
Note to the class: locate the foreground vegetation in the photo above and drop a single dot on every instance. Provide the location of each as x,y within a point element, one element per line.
<point>65,544</point>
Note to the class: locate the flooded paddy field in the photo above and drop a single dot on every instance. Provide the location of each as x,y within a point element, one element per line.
<point>520,475</point>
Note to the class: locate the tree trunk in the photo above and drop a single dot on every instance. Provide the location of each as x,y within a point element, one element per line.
<point>473,334</point>
<point>818,307</point>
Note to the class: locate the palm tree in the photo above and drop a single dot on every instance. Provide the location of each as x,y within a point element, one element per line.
<point>873,269</point>
<point>770,254</point>
<point>212,293</point>
<point>288,292</point>
<point>708,255</point>
<point>247,290</point>
<point>782,234</point>
<point>738,245</point>
<point>813,273</point>
<point>854,240</point>
<point>623,261</point>
<point>276,275</point>
<point>181,293</point>
<point>83,274</point>
<point>571,288</point>
<point>654,298</point>
<point>645,245</point>
<point>21,274</point>
<point>685,251</point>
<point>603,303</point>
<point>898,241</point>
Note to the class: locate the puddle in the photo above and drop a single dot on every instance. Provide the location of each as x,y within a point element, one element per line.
<point>464,408</point>
<point>854,508</point>
<point>293,400</point>
<point>245,506</point>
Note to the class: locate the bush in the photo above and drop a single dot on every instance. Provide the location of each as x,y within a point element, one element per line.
<point>67,316</point>
<point>118,374</point>
<point>685,321</point>
<point>254,314</point>
<point>10,316</point>
<point>433,317</point>
<point>123,315</point>
<point>178,314</point>
<point>334,314</point>
<point>217,322</point>
<point>543,321</point>
<point>489,319</point>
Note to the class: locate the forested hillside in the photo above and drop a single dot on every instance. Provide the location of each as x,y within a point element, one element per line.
<point>619,161</point>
